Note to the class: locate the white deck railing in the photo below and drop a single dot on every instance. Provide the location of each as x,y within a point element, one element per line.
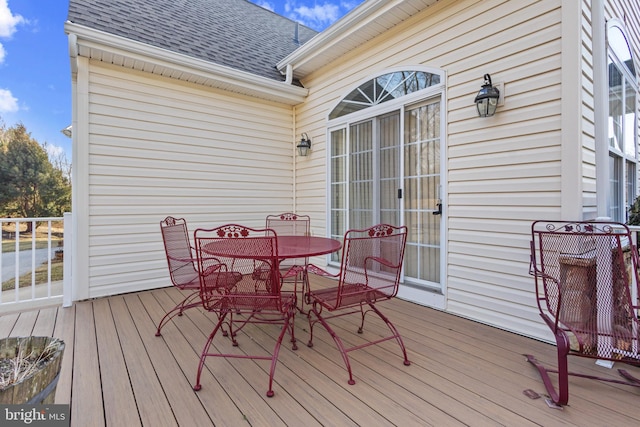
<point>15,263</point>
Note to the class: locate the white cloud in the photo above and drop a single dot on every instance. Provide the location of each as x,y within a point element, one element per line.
<point>54,151</point>
<point>8,104</point>
<point>265,4</point>
<point>8,21</point>
<point>325,13</point>
<point>348,5</point>
<point>8,24</point>
<point>317,16</point>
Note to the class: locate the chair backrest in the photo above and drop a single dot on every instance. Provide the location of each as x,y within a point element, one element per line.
<point>371,263</point>
<point>289,224</point>
<point>584,274</point>
<point>177,246</point>
<point>250,259</point>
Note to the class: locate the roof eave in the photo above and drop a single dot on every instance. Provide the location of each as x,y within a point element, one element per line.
<point>365,22</point>
<point>110,48</point>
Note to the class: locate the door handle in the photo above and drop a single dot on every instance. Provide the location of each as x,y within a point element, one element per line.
<point>439,209</point>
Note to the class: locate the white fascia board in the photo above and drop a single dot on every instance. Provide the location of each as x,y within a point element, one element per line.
<point>242,81</point>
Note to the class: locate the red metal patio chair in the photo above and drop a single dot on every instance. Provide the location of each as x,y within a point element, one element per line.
<point>182,266</point>
<point>254,299</point>
<point>584,275</point>
<point>369,274</point>
<point>292,224</point>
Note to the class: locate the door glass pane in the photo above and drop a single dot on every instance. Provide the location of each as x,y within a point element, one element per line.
<point>615,170</point>
<point>630,182</point>
<point>389,135</point>
<point>422,192</point>
<point>338,186</point>
<point>615,108</point>
<point>630,121</point>
<point>361,175</point>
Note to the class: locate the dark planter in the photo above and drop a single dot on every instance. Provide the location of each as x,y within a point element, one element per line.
<point>37,388</point>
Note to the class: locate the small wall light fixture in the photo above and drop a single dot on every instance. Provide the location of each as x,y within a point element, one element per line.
<point>68,131</point>
<point>487,98</point>
<point>304,145</point>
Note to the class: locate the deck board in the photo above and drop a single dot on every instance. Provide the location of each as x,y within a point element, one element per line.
<point>65,330</point>
<point>185,404</point>
<point>86,389</point>
<point>117,372</point>
<point>120,400</point>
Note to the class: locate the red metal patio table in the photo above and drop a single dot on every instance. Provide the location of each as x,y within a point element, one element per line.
<point>288,247</point>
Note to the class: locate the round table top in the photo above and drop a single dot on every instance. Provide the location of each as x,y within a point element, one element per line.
<point>288,247</point>
<point>304,246</point>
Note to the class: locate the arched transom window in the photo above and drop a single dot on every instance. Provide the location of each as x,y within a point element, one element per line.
<point>382,89</point>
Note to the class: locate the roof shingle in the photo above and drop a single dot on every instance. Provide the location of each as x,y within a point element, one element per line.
<point>233,33</point>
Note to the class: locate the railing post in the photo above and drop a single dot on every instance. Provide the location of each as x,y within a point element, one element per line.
<point>67,284</point>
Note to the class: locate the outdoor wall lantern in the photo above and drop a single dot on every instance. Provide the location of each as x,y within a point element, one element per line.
<point>304,146</point>
<point>487,98</point>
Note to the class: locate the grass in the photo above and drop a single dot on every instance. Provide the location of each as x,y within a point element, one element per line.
<point>25,243</point>
<point>41,238</point>
<point>9,244</point>
<point>41,275</point>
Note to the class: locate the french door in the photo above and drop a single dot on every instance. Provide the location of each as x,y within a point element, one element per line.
<point>386,169</point>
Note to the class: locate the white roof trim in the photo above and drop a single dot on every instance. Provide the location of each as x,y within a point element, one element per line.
<point>127,53</point>
<point>365,22</point>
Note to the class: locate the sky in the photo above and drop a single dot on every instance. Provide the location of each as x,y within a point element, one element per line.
<point>35,72</point>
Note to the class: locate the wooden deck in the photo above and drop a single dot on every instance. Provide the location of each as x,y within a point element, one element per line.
<point>117,373</point>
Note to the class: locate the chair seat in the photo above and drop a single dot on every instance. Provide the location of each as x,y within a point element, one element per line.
<point>259,301</point>
<point>261,272</point>
<point>350,295</point>
<point>191,284</point>
<point>291,271</point>
<point>223,279</point>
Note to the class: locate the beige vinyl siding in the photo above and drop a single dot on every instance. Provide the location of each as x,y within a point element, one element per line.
<point>158,147</point>
<point>503,172</point>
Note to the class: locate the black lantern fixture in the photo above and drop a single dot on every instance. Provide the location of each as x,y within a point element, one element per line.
<point>304,146</point>
<point>487,98</point>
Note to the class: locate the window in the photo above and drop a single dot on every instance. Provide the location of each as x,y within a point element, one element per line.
<point>384,88</point>
<point>622,122</point>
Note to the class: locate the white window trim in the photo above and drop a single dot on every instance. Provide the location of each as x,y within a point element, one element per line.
<point>621,154</point>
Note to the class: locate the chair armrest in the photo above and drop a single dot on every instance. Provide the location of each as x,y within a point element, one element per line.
<point>314,269</point>
<point>379,260</point>
<point>214,268</point>
<point>185,260</point>
<point>539,275</point>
